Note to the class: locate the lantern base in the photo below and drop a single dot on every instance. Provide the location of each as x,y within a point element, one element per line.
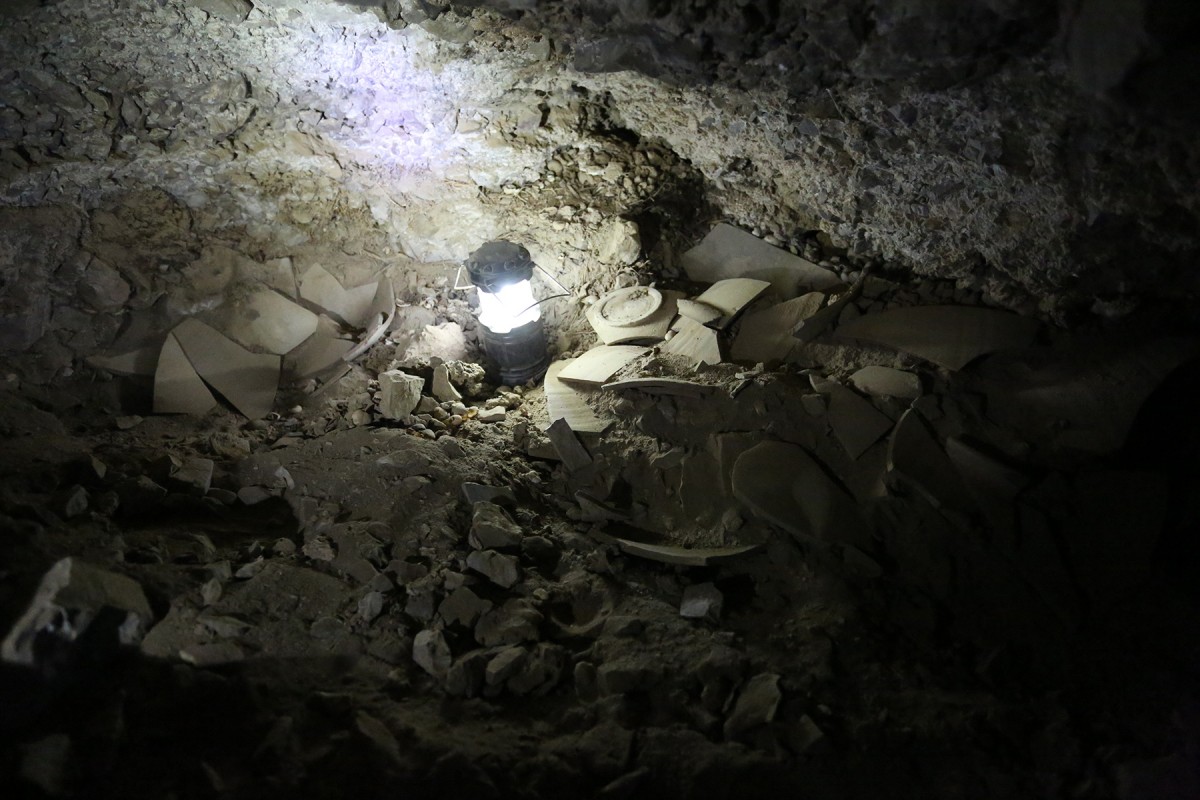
<point>520,354</point>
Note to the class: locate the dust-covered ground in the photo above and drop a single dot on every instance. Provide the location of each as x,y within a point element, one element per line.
<point>352,604</point>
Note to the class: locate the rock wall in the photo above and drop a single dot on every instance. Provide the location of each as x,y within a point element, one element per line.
<point>1034,150</point>
<point>158,159</point>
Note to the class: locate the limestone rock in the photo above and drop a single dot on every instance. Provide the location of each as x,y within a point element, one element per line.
<point>505,664</point>
<point>756,705</point>
<point>540,672</point>
<point>463,607</point>
<point>514,622</point>
<point>400,392</point>
<point>494,414</point>
<point>75,591</point>
<point>431,652</point>
<point>193,476</point>
<point>702,601</point>
<point>102,287</point>
<point>491,529</point>
<point>466,676</point>
<point>500,569</point>
<point>443,389</point>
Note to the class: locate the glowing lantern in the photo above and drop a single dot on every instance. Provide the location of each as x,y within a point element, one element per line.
<point>509,317</point>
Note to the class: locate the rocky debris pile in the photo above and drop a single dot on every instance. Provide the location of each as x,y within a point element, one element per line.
<point>715,573</point>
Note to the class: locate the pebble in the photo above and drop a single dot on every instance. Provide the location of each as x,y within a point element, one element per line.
<point>370,606</point>
<point>494,414</point>
<point>283,547</point>
<point>756,705</point>
<point>702,601</point>
<point>431,652</point>
<point>75,502</point>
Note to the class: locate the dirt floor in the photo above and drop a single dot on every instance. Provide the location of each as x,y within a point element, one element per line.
<point>345,608</point>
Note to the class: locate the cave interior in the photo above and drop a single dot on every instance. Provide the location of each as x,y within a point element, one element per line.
<point>846,450</point>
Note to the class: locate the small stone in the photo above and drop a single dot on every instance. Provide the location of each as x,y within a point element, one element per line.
<point>74,591</point>
<point>128,423</point>
<point>496,414</point>
<point>211,591</point>
<point>463,607</point>
<point>443,389</point>
<point>756,705</point>
<point>425,406</point>
<point>370,606</point>
<point>491,529</point>
<point>253,495</point>
<point>541,671</point>
<point>75,502</point>
<point>458,408</point>
<point>452,580</point>
<point>514,622</point>
<point>702,601</point>
<point>193,476</point>
<point>465,678</point>
<point>400,393</point>
<point>283,547</point>
<point>422,598</point>
<point>102,288</point>
<point>247,571</point>
<point>500,569</point>
<point>431,652</point>
<point>282,479</point>
<point>504,665</point>
<point>319,548</point>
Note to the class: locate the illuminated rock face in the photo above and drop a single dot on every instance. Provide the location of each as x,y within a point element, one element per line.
<point>952,140</point>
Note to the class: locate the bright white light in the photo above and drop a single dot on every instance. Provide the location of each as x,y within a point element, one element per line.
<point>511,307</point>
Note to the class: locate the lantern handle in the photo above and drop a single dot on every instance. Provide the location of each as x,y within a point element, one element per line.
<point>458,275</point>
<point>565,290</point>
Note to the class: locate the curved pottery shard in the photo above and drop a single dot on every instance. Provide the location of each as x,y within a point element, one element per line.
<point>247,380</point>
<point>177,387</point>
<point>949,336</point>
<point>784,485</point>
